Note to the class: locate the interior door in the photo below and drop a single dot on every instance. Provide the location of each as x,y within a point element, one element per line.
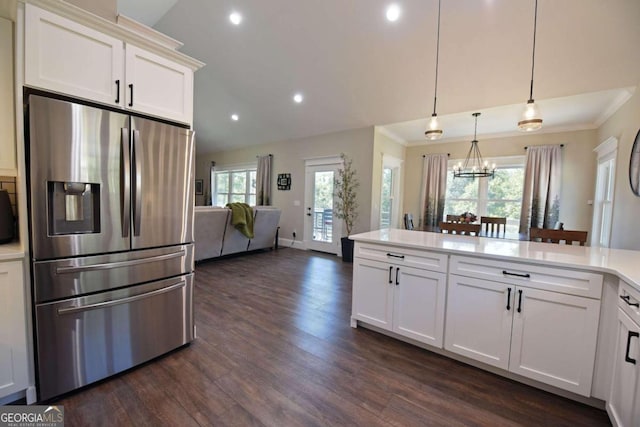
<point>322,229</point>
<point>162,181</point>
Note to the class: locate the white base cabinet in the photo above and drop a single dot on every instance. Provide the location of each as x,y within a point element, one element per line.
<point>393,296</point>
<point>540,334</point>
<point>623,404</point>
<point>13,335</point>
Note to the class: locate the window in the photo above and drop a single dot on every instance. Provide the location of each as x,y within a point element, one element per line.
<point>233,185</point>
<point>498,196</point>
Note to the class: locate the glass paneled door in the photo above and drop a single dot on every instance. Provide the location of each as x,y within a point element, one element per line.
<point>322,228</point>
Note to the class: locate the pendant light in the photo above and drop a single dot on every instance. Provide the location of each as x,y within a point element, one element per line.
<point>474,166</point>
<point>433,131</point>
<point>531,120</point>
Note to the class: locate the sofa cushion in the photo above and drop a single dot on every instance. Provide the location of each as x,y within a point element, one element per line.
<point>209,226</point>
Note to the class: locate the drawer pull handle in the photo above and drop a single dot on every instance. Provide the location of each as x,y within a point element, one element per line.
<point>397,271</point>
<point>519,300</point>
<point>508,299</point>
<point>390,270</point>
<point>627,299</point>
<point>395,256</point>
<point>526,275</point>
<point>626,355</point>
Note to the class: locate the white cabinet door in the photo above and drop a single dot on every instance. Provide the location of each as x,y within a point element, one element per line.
<point>419,299</point>
<point>7,119</point>
<point>158,86</point>
<point>69,58</point>
<point>13,345</point>
<point>624,402</point>
<point>479,320</point>
<point>554,338</point>
<point>373,284</point>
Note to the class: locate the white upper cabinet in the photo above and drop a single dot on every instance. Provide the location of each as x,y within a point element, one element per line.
<point>69,58</point>
<point>158,86</point>
<point>7,118</point>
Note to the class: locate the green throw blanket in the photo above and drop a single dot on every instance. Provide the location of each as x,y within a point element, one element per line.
<point>242,218</point>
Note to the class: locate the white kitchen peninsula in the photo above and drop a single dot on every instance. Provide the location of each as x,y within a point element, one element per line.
<point>540,313</point>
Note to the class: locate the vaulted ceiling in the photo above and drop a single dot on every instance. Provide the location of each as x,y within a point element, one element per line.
<point>357,69</point>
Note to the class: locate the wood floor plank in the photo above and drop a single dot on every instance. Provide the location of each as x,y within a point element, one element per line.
<point>275,348</point>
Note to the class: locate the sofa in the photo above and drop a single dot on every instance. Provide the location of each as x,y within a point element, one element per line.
<point>215,236</point>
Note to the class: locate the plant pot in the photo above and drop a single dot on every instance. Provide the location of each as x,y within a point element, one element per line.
<point>347,249</point>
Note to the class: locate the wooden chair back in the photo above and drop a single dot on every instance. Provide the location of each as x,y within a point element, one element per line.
<point>460,228</point>
<point>492,225</point>
<point>453,218</point>
<point>547,235</point>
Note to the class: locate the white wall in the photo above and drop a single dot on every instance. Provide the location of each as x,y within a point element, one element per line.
<point>624,125</point>
<point>289,157</point>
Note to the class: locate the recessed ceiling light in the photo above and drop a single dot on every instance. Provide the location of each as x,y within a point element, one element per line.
<point>393,12</point>
<point>235,117</point>
<point>235,18</point>
<point>298,98</point>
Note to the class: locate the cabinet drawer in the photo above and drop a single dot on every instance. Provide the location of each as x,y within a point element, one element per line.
<point>572,282</point>
<point>402,256</point>
<point>629,297</point>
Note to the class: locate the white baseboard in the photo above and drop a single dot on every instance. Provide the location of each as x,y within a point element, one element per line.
<point>289,243</point>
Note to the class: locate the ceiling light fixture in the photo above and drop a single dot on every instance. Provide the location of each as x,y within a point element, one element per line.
<point>434,132</point>
<point>531,119</point>
<point>393,13</point>
<point>235,18</point>
<point>235,117</point>
<point>298,98</point>
<point>474,166</point>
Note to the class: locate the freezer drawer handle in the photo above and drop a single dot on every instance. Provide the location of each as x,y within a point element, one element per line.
<point>105,304</point>
<point>627,299</point>
<point>626,355</point>
<point>119,264</point>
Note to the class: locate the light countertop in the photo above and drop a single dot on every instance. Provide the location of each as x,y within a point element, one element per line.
<point>11,251</point>
<point>623,263</point>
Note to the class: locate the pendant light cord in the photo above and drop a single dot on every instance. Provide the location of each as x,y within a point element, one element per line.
<point>435,92</point>
<point>533,56</point>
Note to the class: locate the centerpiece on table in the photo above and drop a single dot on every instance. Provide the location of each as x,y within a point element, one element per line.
<point>468,217</point>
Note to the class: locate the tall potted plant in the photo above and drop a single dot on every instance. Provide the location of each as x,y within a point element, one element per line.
<point>346,206</point>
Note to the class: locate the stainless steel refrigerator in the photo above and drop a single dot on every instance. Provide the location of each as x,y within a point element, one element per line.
<point>111,238</point>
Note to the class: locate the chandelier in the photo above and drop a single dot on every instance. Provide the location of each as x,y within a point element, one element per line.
<point>531,119</point>
<point>474,166</point>
<point>433,131</point>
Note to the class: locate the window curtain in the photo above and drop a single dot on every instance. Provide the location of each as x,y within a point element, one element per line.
<point>434,181</point>
<point>212,183</point>
<point>541,193</point>
<point>263,180</point>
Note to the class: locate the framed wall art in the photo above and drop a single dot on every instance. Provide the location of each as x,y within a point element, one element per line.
<point>284,181</point>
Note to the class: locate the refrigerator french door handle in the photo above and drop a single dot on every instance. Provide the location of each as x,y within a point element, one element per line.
<point>117,264</point>
<point>137,175</point>
<point>125,188</point>
<point>105,304</point>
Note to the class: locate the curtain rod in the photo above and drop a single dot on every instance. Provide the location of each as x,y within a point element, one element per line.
<point>525,147</point>
<point>270,155</point>
<point>424,155</point>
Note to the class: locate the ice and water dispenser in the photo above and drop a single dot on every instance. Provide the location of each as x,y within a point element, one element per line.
<point>74,207</point>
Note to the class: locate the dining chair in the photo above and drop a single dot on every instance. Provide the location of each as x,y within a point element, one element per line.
<point>459,228</point>
<point>547,235</point>
<point>492,225</point>
<point>453,218</point>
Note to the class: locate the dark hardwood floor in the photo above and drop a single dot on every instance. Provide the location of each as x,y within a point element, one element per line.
<point>275,348</point>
